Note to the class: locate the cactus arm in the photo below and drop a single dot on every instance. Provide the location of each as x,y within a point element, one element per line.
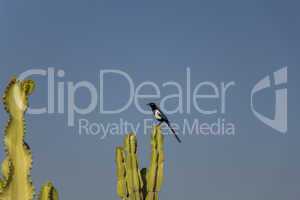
<point>133,177</point>
<point>155,173</point>
<point>6,170</point>
<point>18,155</point>
<point>48,192</point>
<point>122,190</point>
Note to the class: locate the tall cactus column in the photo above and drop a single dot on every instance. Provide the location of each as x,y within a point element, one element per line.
<point>136,184</point>
<point>155,174</point>
<point>16,181</point>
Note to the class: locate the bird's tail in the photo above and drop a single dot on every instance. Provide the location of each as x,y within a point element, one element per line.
<point>174,133</point>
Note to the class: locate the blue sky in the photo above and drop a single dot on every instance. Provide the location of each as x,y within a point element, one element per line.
<point>220,41</point>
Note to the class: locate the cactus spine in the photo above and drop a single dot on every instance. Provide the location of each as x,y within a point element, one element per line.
<point>136,184</point>
<point>16,182</point>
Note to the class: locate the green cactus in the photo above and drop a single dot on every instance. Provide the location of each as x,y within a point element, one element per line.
<point>136,184</point>
<point>16,182</point>
<point>48,192</point>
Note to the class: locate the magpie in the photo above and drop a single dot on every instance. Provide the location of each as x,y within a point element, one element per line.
<point>162,118</point>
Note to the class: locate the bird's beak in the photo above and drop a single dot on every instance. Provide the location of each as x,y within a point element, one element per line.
<point>148,104</point>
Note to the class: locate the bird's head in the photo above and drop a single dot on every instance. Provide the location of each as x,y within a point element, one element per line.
<point>152,105</point>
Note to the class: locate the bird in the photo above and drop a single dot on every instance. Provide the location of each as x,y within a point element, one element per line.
<point>162,118</point>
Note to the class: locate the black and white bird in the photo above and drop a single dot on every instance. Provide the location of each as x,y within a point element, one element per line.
<point>162,118</point>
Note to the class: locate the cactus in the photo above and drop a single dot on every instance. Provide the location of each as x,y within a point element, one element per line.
<point>48,192</point>
<point>16,182</point>
<point>136,184</point>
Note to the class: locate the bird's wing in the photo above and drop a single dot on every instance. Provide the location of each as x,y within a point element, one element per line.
<point>163,116</point>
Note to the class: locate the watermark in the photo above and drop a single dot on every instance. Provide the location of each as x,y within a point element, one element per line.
<point>280,79</point>
<point>189,97</point>
<point>187,127</point>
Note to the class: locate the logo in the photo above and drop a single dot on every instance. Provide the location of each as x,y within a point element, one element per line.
<point>279,79</point>
<point>207,99</point>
